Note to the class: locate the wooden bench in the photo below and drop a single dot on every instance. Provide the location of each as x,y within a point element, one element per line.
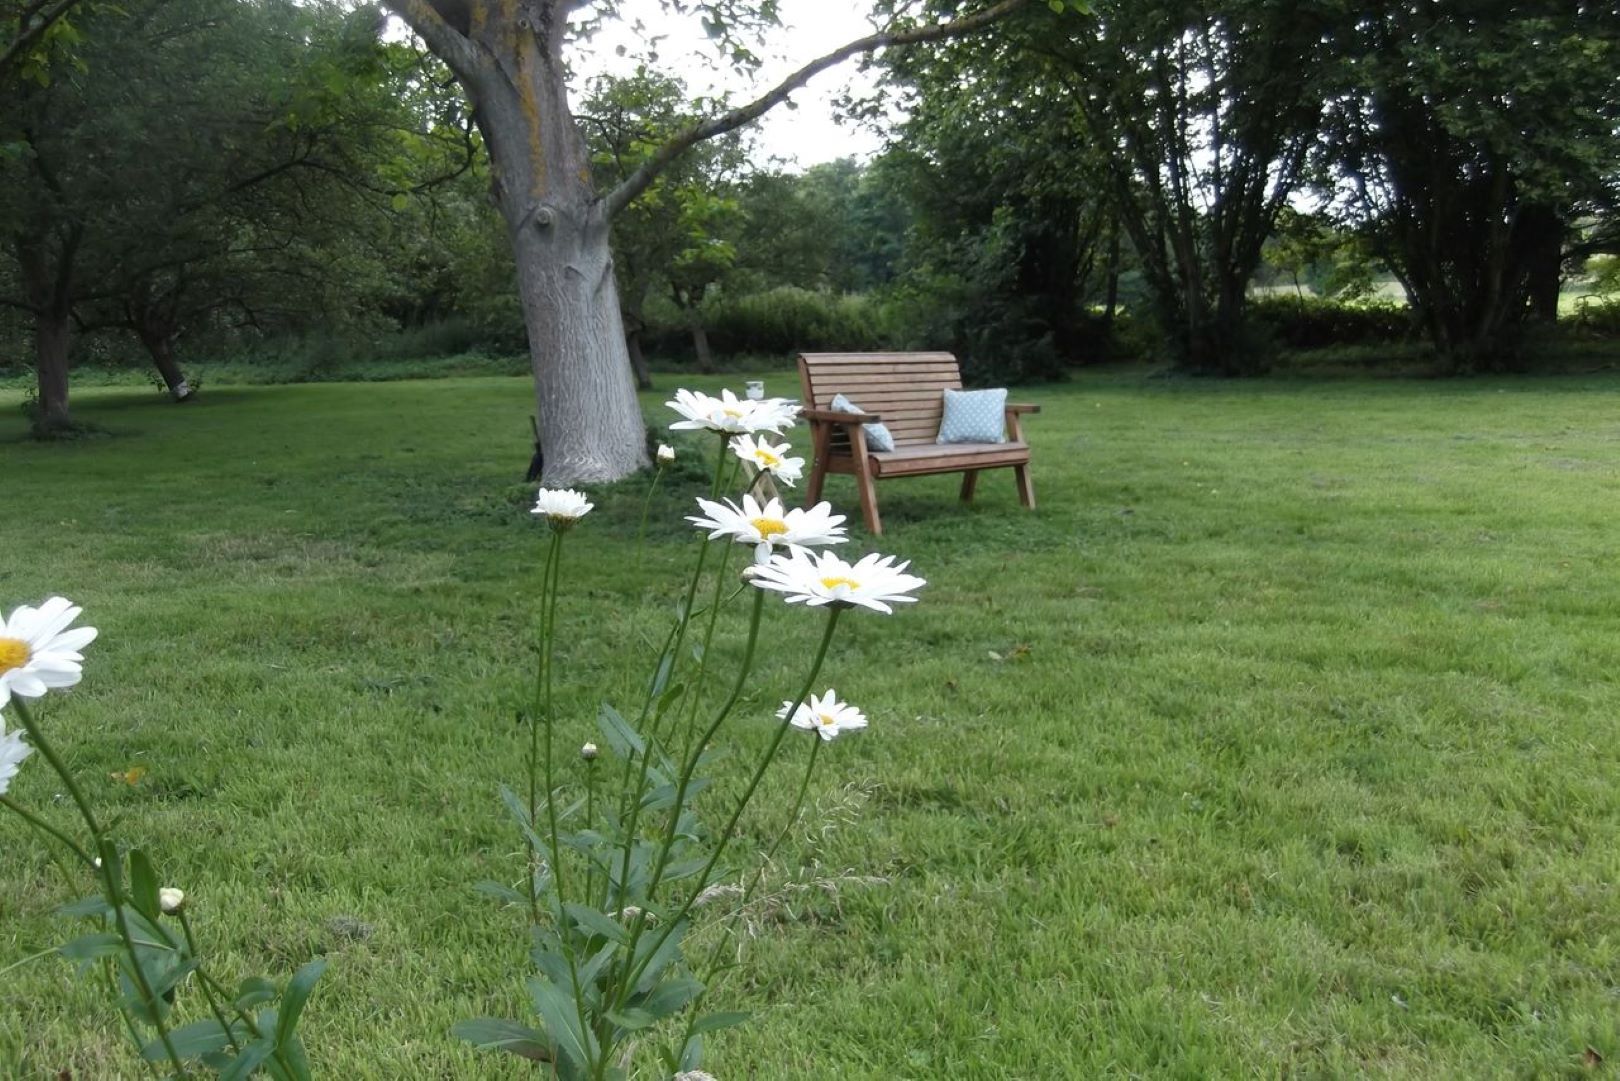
<point>906,392</point>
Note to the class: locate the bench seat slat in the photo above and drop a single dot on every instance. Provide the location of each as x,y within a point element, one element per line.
<point>949,458</point>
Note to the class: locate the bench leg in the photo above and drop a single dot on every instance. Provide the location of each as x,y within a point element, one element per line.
<point>970,480</point>
<point>818,466</point>
<point>812,490</point>
<point>1026,490</point>
<point>869,508</point>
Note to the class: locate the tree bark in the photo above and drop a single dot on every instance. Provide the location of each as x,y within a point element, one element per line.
<point>161,348</point>
<point>511,63</point>
<point>49,290</point>
<point>700,346</point>
<point>53,333</point>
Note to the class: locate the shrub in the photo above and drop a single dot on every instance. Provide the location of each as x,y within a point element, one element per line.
<point>779,321</point>
<point>1596,317</point>
<point>1316,323</point>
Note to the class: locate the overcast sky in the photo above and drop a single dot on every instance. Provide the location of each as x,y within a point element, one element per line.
<point>806,135</point>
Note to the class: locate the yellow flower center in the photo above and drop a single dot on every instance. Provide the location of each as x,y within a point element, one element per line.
<point>826,718</point>
<point>769,527</point>
<point>834,583</point>
<point>734,414</point>
<point>14,653</point>
<point>767,459</point>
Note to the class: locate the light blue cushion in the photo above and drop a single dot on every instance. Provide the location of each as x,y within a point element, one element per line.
<point>974,416</point>
<point>877,436</point>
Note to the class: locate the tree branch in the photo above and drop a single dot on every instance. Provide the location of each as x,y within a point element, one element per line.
<point>34,22</point>
<point>447,43</point>
<point>638,181</point>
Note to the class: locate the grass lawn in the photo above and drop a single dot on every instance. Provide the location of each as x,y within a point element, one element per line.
<point>1280,740</point>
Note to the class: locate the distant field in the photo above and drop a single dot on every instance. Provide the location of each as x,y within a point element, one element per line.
<point>1283,739</point>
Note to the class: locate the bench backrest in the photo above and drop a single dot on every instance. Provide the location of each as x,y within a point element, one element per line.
<point>905,389</point>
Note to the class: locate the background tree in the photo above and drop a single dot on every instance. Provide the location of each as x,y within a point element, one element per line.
<point>199,153</point>
<point>512,60</point>
<point>1471,138</point>
<point>1200,117</point>
<point>672,234</point>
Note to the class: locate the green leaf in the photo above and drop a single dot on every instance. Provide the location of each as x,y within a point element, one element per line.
<point>593,968</point>
<point>191,1041</point>
<point>632,1019</point>
<point>296,995</point>
<point>255,991</point>
<point>562,1022</point>
<point>143,884</point>
<point>90,947</point>
<point>493,1034</point>
<point>252,1057</point>
<point>663,797</point>
<point>597,923</point>
<point>671,997</point>
<point>658,954</point>
<point>94,905</point>
<point>520,812</point>
<point>625,740</point>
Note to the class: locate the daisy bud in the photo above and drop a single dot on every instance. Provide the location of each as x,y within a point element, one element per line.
<point>171,900</point>
<point>666,454</point>
<point>588,752</point>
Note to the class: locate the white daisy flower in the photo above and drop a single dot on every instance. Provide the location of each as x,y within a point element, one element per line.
<point>875,582</point>
<point>666,454</point>
<point>38,652</point>
<point>768,458</point>
<point>729,413</point>
<point>768,526</point>
<point>562,507</point>
<point>12,752</point>
<point>826,716</point>
<point>171,900</point>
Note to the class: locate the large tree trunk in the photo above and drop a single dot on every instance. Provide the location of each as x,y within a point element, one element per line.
<point>591,429</point>
<point>52,335</point>
<point>50,297</point>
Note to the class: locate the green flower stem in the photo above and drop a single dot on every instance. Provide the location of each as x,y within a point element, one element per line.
<point>112,887</point>
<point>708,641</point>
<point>45,827</point>
<point>208,991</point>
<point>713,967</point>
<point>646,505</point>
<point>550,633</point>
<point>730,829</point>
<point>129,1022</point>
<point>792,820</point>
<point>548,636</point>
<point>40,956</point>
<point>44,747</point>
<point>689,766</point>
<point>535,709</point>
<point>630,797</point>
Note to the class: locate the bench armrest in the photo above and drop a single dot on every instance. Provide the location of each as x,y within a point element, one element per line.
<point>838,416</point>
<point>1013,407</point>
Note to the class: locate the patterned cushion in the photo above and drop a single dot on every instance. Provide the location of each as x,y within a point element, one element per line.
<point>974,416</point>
<point>877,436</point>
